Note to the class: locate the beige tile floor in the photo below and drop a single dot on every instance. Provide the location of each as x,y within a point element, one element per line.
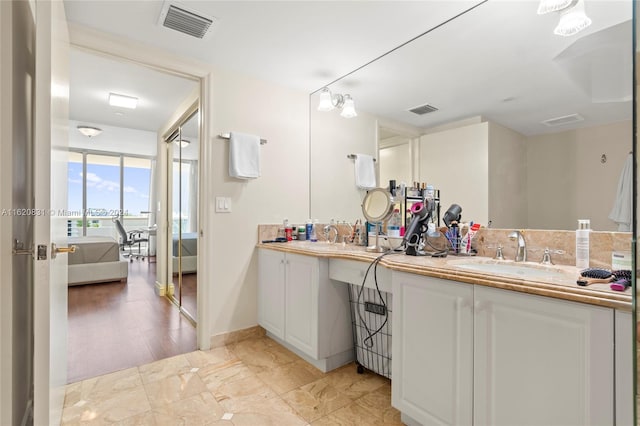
<point>254,382</point>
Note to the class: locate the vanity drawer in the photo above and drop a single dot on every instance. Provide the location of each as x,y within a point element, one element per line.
<point>353,271</point>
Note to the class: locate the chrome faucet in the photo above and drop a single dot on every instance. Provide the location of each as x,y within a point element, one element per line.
<point>327,231</point>
<point>521,253</point>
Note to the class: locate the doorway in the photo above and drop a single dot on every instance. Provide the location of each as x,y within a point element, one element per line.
<point>114,177</point>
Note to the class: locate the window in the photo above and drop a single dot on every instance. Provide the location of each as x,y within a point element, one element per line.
<point>114,186</point>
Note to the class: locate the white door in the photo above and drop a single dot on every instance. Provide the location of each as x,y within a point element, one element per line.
<point>271,291</point>
<point>432,349</point>
<point>541,361</point>
<point>301,303</point>
<point>50,184</point>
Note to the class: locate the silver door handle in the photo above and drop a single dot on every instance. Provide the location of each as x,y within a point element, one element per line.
<point>55,250</point>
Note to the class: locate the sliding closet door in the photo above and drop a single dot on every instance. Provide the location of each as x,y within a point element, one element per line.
<point>184,221</point>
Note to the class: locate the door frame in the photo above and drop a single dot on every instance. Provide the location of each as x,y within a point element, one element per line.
<point>121,49</point>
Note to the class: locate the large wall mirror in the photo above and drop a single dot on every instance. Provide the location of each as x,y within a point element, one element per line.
<point>531,129</point>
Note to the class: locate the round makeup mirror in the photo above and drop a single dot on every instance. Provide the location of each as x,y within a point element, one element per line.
<point>376,208</point>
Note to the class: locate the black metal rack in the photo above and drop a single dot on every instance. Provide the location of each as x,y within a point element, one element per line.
<point>371,321</point>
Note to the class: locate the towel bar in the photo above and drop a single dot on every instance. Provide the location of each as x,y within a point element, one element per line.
<point>353,157</point>
<point>227,136</point>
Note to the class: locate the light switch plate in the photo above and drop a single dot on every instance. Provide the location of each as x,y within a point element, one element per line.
<point>223,205</point>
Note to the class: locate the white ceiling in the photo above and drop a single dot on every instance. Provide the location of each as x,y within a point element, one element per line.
<point>308,44</point>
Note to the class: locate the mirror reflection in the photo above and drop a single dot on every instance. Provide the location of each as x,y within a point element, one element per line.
<point>184,146</point>
<point>521,127</point>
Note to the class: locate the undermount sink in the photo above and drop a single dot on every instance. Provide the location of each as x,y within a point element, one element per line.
<point>514,269</point>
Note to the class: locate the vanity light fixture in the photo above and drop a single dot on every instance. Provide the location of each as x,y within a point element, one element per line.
<point>573,20</point>
<point>182,142</point>
<point>123,101</point>
<point>89,131</point>
<point>330,101</point>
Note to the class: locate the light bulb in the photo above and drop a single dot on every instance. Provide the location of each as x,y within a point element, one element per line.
<point>349,109</point>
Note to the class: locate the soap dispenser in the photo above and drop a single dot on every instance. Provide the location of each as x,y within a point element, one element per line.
<point>582,243</point>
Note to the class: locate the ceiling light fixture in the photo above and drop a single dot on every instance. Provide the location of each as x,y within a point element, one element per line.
<point>89,131</point>
<point>573,20</point>
<point>330,101</point>
<point>548,6</point>
<point>122,101</point>
<point>183,143</point>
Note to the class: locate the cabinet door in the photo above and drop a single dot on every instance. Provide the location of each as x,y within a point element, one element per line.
<point>271,277</point>
<point>625,334</point>
<point>301,303</point>
<point>432,349</point>
<point>541,361</point>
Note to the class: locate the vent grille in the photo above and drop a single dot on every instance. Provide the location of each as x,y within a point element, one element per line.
<point>566,119</point>
<point>423,109</point>
<point>186,22</point>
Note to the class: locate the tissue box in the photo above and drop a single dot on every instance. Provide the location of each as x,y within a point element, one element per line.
<point>621,260</point>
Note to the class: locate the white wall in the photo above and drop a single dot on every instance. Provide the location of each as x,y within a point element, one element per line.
<point>280,116</point>
<point>597,182</point>
<point>507,177</point>
<point>456,162</point>
<point>567,181</point>
<point>396,162</point>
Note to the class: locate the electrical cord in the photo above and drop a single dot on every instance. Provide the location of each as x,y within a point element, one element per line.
<point>368,341</point>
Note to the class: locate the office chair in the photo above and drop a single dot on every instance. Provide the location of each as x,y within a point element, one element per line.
<point>130,239</point>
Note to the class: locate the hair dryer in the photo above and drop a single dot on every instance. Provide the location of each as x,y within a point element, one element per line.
<point>453,214</point>
<point>420,214</point>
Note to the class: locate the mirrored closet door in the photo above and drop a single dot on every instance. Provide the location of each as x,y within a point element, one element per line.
<point>183,149</point>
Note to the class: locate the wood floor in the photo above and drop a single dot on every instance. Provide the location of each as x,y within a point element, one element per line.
<point>113,326</point>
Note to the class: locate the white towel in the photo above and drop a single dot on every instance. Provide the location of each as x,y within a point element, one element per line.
<point>622,213</point>
<point>244,156</point>
<point>365,171</point>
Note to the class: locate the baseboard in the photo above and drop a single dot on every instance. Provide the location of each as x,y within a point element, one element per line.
<point>236,336</point>
<point>161,289</point>
<point>325,364</point>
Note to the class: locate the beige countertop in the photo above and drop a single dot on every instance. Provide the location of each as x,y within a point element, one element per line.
<point>560,283</point>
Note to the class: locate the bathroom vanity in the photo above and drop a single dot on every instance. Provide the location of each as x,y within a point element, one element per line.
<point>470,346</point>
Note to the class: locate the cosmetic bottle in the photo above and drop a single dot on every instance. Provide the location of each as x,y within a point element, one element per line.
<point>582,243</point>
<point>314,229</point>
<point>308,228</point>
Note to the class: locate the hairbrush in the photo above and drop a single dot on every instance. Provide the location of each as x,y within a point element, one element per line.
<point>594,275</point>
<point>622,273</point>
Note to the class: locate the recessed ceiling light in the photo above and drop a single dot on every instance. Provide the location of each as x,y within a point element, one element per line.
<point>89,131</point>
<point>122,101</point>
<point>183,143</point>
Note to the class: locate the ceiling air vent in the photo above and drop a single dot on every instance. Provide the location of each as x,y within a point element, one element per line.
<point>423,109</point>
<point>186,21</point>
<point>560,121</point>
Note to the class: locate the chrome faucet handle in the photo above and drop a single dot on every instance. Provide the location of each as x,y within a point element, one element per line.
<point>546,257</point>
<point>499,255</point>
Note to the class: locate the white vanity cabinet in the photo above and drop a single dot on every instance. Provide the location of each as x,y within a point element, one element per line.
<point>432,349</point>
<point>302,308</point>
<point>541,361</point>
<point>475,355</point>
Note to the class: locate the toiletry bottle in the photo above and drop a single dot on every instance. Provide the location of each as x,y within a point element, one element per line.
<point>393,226</point>
<point>308,228</point>
<point>288,230</point>
<point>302,233</point>
<point>582,244</point>
<point>314,229</point>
